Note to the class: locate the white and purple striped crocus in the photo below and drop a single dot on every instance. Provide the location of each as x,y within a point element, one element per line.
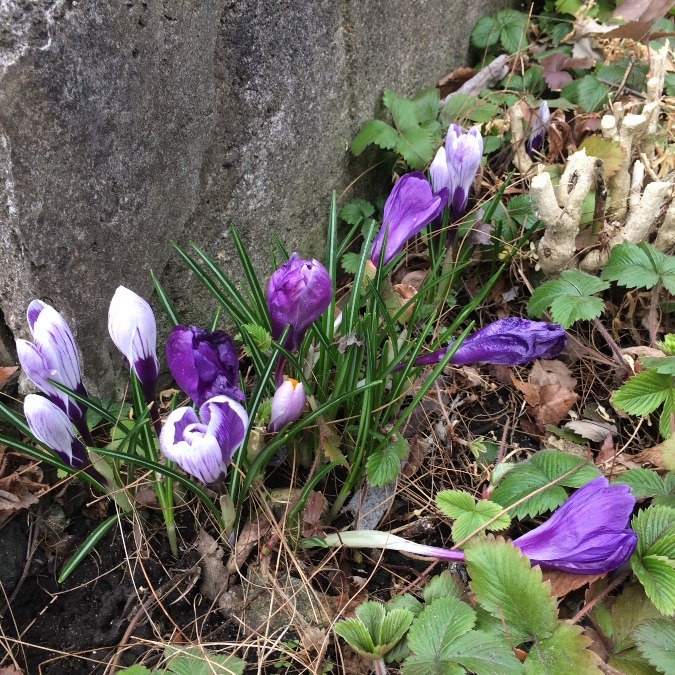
<point>410,207</point>
<point>299,292</point>
<point>203,445</point>
<point>131,324</point>
<point>455,166</point>
<point>51,426</point>
<point>509,342</point>
<point>535,142</point>
<point>204,363</point>
<point>288,404</point>
<point>588,534</point>
<point>53,356</point>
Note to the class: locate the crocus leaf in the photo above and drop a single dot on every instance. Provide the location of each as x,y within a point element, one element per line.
<point>656,641</point>
<point>509,588</point>
<point>554,654</point>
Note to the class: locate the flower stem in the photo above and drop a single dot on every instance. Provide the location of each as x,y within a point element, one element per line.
<point>380,667</point>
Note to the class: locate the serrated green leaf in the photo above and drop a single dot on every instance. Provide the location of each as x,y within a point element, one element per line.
<point>513,29</point>
<point>435,629</point>
<point>371,614</point>
<point>567,6</point>
<point>570,298</point>
<point>644,393</point>
<point>483,513</point>
<point>196,661</point>
<point>455,503</point>
<point>643,483</point>
<point>664,365</point>
<point>656,641</point>
<point>631,662</point>
<point>135,670</point>
<point>640,266</point>
<point>375,132</point>
<point>416,145</point>
<point>350,262</point>
<point>357,635</point>
<point>543,468</point>
<point>657,575</point>
<point>427,103</point>
<point>384,465</point>
<point>509,588</point>
<point>356,211</point>
<point>421,665</point>
<point>393,627</point>
<point>485,33</point>
<point>610,152</point>
<point>629,610</point>
<point>566,647</point>
<point>485,654</point>
<point>409,602</point>
<point>651,525</point>
<point>592,94</point>
<point>441,586</point>
<point>260,336</point>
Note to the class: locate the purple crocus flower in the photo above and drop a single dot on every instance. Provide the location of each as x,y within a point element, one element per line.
<point>53,356</point>
<point>204,364</point>
<point>588,534</point>
<point>508,342</point>
<point>410,207</point>
<point>51,426</point>
<point>536,140</point>
<point>287,405</point>
<point>131,324</point>
<point>456,165</point>
<point>204,445</point>
<point>299,292</point>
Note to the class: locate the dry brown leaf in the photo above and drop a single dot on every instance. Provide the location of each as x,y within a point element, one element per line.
<point>314,508</point>
<point>642,10</point>
<point>10,670</point>
<point>555,403</point>
<point>653,456</point>
<point>563,583</point>
<point>592,430</point>
<point>6,373</point>
<point>416,278</point>
<point>454,80</point>
<point>640,31</point>
<point>607,452</point>
<point>597,644</point>
<point>215,577</point>
<point>552,372</point>
<point>249,537</point>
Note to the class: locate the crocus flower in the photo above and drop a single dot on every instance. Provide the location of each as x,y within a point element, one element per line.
<point>287,405</point>
<point>131,324</point>
<point>508,342</point>
<point>536,140</point>
<point>204,445</point>
<point>204,364</point>
<point>50,425</point>
<point>299,292</point>
<point>53,356</point>
<point>456,165</point>
<point>410,207</point>
<point>588,534</point>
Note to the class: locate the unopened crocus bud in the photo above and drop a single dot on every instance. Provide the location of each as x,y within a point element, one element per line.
<point>287,405</point>
<point>438,171</point>
<point>53,356</point>
<point>131,324</point>
<point>588,534</point>
<point>203,445</point>
<point>203,363</point>
<point>50,425</point>
<point>410,207</point>
<point>535,142</point>
<point>299,292</point>
<point>508,342</point>
<point>463,153</point>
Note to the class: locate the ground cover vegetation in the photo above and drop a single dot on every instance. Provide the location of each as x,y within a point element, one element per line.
<point>446,448</point>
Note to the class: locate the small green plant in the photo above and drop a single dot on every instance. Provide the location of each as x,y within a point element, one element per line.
<point>192,661</point>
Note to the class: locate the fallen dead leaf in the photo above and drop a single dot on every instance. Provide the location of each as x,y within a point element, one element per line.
<point>552,372</point>
<point>454,80</point>
<point>654,456</point>
<point>563,583</point>
<point>311,518</point>
<point>607,453</point>
<point>597,644</point>
<point>416,279</point>
<point>249,537</point>
<point>642,10</point>
<point>550,403</point>
<point>592,430</point>
<point>6,373</point>
<point>20,483</point>
<point>215,577</point>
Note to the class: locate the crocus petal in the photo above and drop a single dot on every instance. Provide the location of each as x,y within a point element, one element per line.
<point>204,364</point>
<point>131,324</point>
<point>536,140</point>
<point>463,153</point>
<point>204,446</point>
<point>438,171</point>
<point>50,425</point>
<point>411,206</point>
<point>299,292</point>
<point>287,405</point>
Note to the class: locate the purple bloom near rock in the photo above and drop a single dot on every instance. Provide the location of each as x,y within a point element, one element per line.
<point>410,207</point>
<point>535,142</point>
<point>299,292</point>
<point>455,166</point>
<point>52,356</point>
<point>203,445</point>
<point>51,426</point>
<point>131,324</point>
<point>287,405</point>
<point>204,364</point>
<point>508,342</point>
<point>588,534</point>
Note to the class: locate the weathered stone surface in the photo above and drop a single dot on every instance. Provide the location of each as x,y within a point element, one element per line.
<point>125,125</point>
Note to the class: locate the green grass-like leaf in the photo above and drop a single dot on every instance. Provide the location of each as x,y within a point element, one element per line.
<point>570,298</point>
<point>644,393</point>
<point>656,641</point>
<point>640,266</point>
<point>510,589</point>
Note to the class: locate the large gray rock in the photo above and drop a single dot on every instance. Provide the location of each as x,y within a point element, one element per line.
<point>126,125</point>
